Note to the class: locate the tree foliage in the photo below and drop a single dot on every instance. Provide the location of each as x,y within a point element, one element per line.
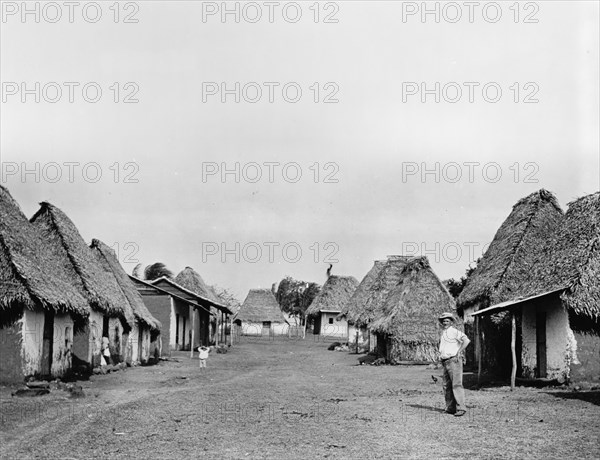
<point>156,270</point>
<point>295,296</point>
<point>228,298</point>
<point>454,286</point>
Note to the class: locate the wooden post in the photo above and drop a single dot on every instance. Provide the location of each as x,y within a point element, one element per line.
<point>513,340</point>
<point>478,350</point>
<point>193,331</point>
<point>304,331</point>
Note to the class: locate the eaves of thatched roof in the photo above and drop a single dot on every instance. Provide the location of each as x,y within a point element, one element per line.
<point>514,251</point>
<point>387,278</point>
<point>260,305</point>
<point>30,275</point>
<point>571,260</point>
<point>336,292</point>
<point>78,260</point>
<point>134,308</point>
<point>192,281</point>
<point>411,310</point>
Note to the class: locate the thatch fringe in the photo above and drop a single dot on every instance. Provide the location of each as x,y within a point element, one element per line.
<point>260,305</point>
<point>134,308</point>
<point>30,275</point>
<point>336,293</point>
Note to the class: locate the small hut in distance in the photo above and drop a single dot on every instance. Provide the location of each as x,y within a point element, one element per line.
<point>406,324</point>
<point>327,306</point>
<point>260,315</point>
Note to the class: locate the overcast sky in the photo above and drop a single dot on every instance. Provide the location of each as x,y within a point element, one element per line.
<point>361,195</point>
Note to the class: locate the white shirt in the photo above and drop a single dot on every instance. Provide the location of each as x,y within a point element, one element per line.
<point>450,342</point>
<point>203,353</point>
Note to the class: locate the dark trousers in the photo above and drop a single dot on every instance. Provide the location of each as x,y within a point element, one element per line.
<point>453,386</point>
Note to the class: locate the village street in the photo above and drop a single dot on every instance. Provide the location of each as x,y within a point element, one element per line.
<point>292,399</point>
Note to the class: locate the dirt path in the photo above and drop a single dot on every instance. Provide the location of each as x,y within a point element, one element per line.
<point>292,400</point>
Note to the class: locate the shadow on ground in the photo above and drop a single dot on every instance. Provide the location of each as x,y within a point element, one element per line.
<point>587,396</point>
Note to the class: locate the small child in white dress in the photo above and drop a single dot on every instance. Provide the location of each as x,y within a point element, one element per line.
<point>204,351</point>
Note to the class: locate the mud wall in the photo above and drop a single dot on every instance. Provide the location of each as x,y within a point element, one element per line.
<point>558,343</point>
<point>338,328</point>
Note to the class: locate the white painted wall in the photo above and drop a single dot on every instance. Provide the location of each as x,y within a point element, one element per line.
<point>339,328</point>
<point>62,345</point>
<point>559,339</point>
<point>32,330</point>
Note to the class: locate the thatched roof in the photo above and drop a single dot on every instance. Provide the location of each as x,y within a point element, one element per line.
<point>336,292</point>
<point>192,281</point>
<point>513,252</point>
<point>134,308</point>
<point>571,260</point>
<point>30,275</point>
<point>352,309</point>
<point>260,305</point>
<point>413,306</point>
<point>387,278</point>
<point>78,260</point>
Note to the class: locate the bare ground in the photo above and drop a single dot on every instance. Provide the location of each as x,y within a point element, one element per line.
<point>293,399</point>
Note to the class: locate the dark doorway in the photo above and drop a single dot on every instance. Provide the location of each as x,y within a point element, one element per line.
<point>266,328</point>
<point>47,344</point>
<point>540,335</point>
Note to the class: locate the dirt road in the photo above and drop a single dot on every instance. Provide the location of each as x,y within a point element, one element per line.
<point>292,399</point>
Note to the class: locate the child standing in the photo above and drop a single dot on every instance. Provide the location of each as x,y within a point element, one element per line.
<point>203,356</point>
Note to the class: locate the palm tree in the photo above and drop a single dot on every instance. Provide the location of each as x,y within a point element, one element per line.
<point>156,270</point>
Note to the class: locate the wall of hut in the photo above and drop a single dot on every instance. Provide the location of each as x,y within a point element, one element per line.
<point>358,339</point>
<point>87,344</point>
<point>559,339</point>
<point>144,346</point>
<point>160,306</point>
<point>586,366</point>
<point>332,327</point>
<point>116,341</point>
<point>11,359</point>
<point>249,328</point>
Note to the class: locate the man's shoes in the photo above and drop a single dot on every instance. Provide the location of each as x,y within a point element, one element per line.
<point>451,412</point>
<point>460,413</point>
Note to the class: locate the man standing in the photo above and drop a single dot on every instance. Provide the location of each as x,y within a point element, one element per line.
<point>452,343</point>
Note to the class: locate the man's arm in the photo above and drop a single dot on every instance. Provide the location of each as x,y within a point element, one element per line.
<point>464,344</point>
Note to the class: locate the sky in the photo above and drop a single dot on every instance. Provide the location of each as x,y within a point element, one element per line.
<point>275,139</point>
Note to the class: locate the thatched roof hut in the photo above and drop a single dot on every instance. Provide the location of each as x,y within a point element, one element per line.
<point>334,295</point>
<point>571,260</point>
<point>514,251</point>
<point>78,261</point>
<point>352,309</point>
<point>192,281</point>
<point>260,306</point>
<point>387,278</point>
<point>30,275</point>
<point>134,308</point>
<point>412,307</point>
